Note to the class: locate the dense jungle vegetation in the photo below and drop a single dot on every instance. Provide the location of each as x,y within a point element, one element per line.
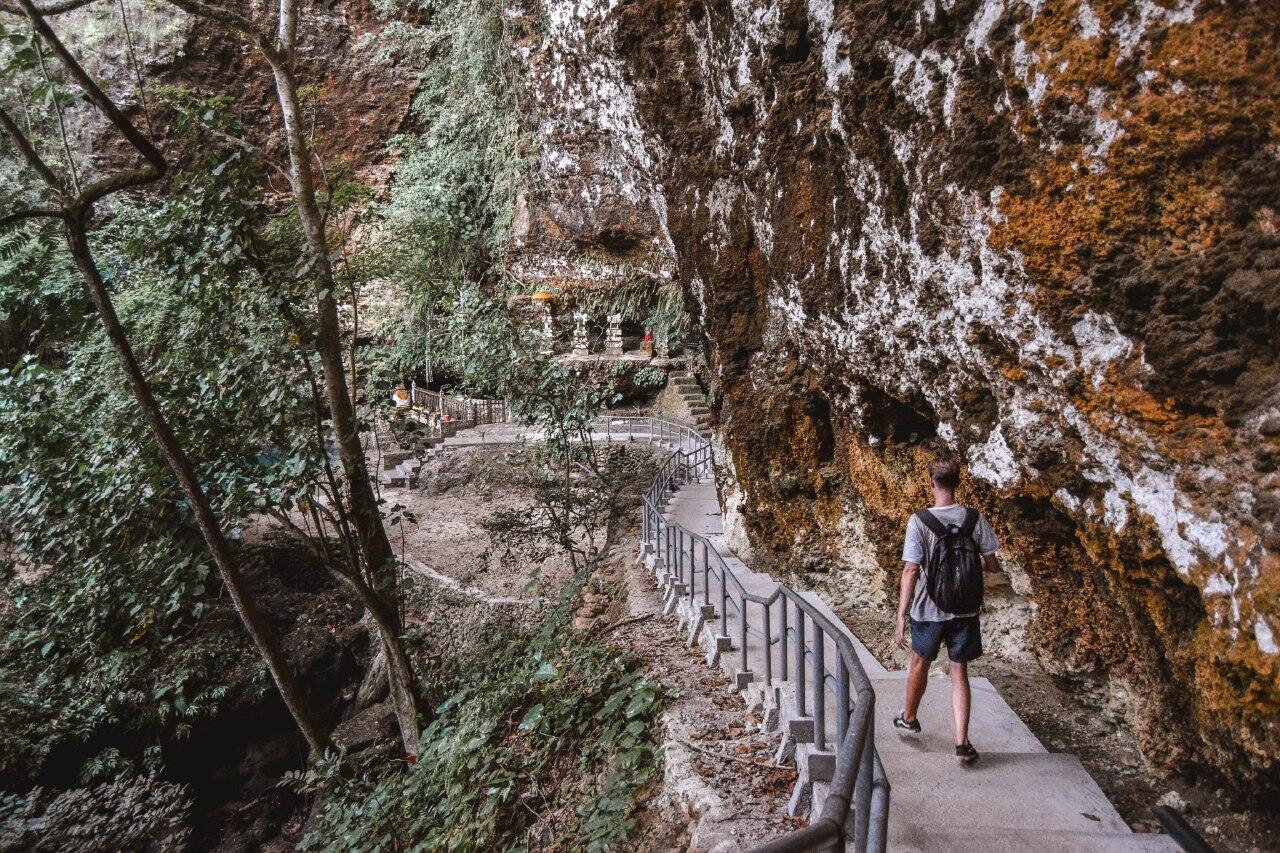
<point>199,323</point>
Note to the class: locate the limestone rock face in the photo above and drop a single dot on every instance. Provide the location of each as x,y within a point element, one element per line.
<point>359,98</point>
<point>591,213</point>
<point>1039,235</point>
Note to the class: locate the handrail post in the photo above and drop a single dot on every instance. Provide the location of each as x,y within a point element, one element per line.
<point>680,553</point>
<point>862,785</point>
<point>782,636</point>
<point>800,661</point>
<point>706,574</point>
<point>742,613</point>
<point>693,571</point>
<point>768,644</point>
<point>819,688</point>
<point>842,697</point>
<point>724,598</point>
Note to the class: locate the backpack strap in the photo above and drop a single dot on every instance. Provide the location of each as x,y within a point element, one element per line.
<point>931,521</point>
<point>970,525</point>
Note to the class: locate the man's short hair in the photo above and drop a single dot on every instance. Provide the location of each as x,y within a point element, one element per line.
<point>945,472</point>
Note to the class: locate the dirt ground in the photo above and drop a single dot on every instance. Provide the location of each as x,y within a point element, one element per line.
<point>1075,716</point>
<point>459,495</point>
<point>721,788</point>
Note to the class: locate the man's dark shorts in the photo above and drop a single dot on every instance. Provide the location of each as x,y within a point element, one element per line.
<point>962,635</point>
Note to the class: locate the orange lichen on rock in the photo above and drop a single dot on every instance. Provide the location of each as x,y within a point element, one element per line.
<point>1159,184</point>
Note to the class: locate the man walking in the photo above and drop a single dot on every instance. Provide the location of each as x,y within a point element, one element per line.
<point>954,546</point>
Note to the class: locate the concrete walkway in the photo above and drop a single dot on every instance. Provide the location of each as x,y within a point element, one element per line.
<point>1017,797</point>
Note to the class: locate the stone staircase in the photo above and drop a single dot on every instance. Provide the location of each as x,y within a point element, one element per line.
<point>1019,796</point>
<point>402,463</point>
<point>694,398</point>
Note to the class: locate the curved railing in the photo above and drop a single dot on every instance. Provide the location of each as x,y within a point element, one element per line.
<point>859,790</point>
<point>478,411</point>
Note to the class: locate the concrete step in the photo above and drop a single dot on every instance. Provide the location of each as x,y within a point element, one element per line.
<point>393,459</point>
<point>930,838</point>
<point>1039,792</point>
<point>993,725</point>
<point>696,508</point>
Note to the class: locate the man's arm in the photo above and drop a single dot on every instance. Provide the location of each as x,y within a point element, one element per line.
<point>910,572</point>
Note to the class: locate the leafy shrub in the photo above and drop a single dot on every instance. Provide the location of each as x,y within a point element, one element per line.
<point>108,577</point>
<point>544,743</point>
<point>141,812</point>
<point>649,377</point>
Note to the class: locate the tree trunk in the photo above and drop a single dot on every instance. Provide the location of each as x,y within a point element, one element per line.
<point>389,655</point>
<point>181,467</point>
<point>364,506</point>
<point>374,684</point>
<point>370,533</point>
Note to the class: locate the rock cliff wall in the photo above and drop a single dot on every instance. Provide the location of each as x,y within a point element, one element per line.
<point>589,211</point>
<point>1041,235</point>
<point>356,94</point>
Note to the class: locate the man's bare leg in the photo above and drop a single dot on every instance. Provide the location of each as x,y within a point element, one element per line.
<point>917,681</point>
<point>959,700</point>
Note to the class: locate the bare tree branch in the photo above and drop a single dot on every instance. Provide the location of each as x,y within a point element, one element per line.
<point>62,123</point>
<point>29,153</point>
<point>33,213</point>
<point>137,72</point>
<point>47,8</point>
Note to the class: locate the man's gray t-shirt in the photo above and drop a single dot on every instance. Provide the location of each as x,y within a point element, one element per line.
<point>919,543</point>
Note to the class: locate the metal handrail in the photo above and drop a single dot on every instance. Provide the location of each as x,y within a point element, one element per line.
<point>1183,834</point>
<point>859,787</point>
<point>479,411</point>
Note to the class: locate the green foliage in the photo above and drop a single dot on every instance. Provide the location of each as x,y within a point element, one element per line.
<point>544,744</point>
<point>669,320</point>
<point>42,301</point>
<point>135,813</point>
<point>446,225</point>
<point>455,182</point>
<point>639,296</point>
<point>108,576</point>
<point>649,377</point>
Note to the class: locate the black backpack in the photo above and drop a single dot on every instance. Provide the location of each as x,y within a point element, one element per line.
<point>953,576</point>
